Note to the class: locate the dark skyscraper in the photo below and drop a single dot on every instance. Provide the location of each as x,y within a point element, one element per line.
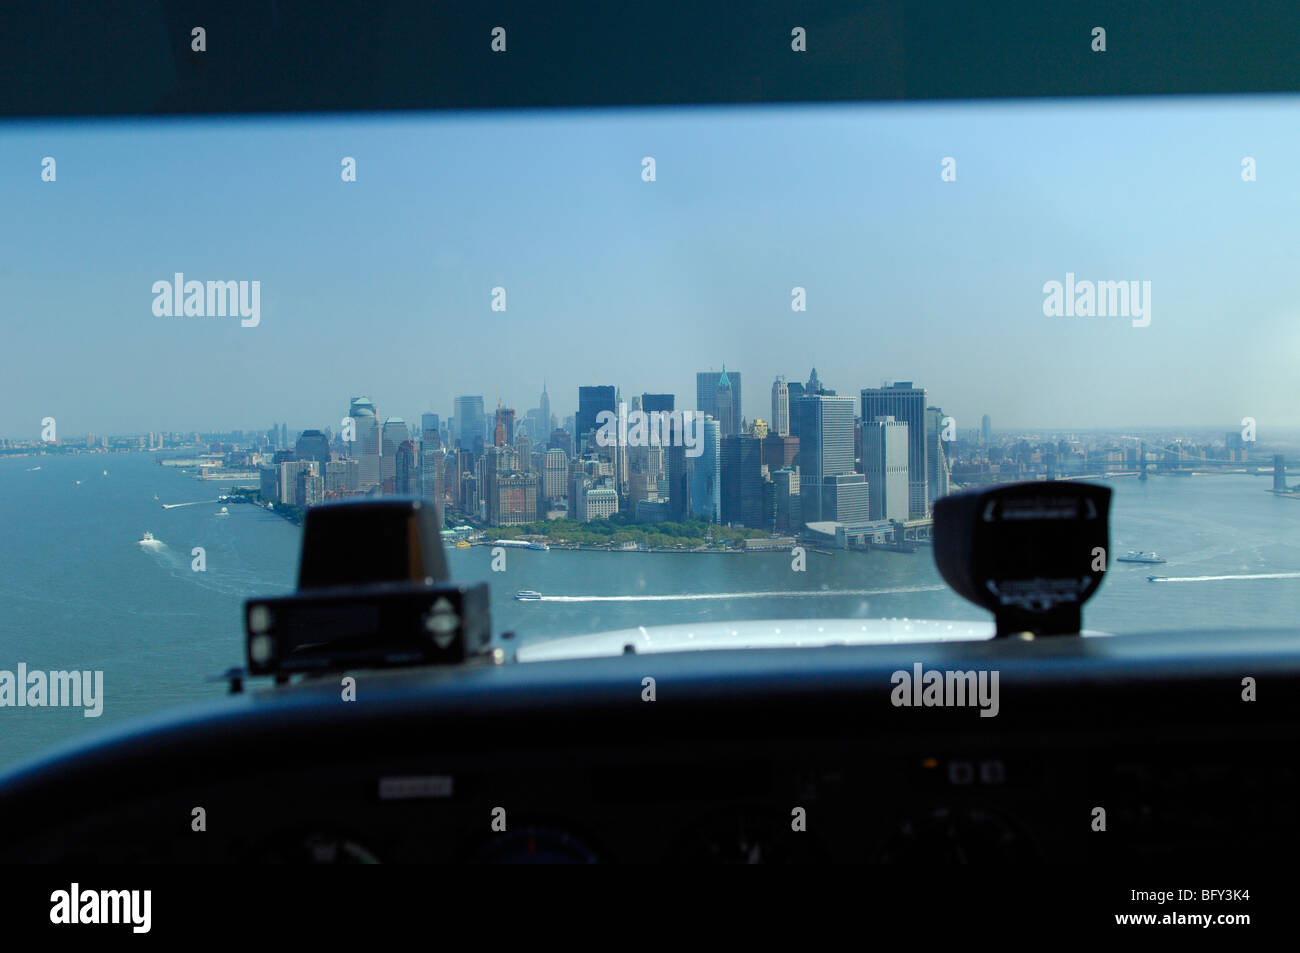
<point>707,397</point>
<point>906,404</point>
<point>591,401</point>
<point>313,445</point>
<point>469,421</point>
<point>659,402</point>
<point>742,482</point>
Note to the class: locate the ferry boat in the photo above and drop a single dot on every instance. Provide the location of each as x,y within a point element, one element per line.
<point>527,595</point>
<point>539,545</point>
<point>1137,557</point>
<point>147,537</point>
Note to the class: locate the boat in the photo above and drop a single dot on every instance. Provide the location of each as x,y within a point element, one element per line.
<point>461,544</point>
<point>224,512</point>
<point>147,538</point>
<point>539,545</point>
<point>527,595</point>
<point>1140,557</point>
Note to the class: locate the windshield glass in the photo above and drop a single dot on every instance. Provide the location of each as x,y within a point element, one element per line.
<point>658,366</point>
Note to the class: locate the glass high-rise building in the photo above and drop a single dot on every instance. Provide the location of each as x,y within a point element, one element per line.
<point>708,394</point>
<point>906,403</point>
<point>825,449</point>
<point>395,433</point>
<point>742,482</point>
<point>366,442</point>
<point>470,420</point>
<point>706,474</point>
<point>591,402</point>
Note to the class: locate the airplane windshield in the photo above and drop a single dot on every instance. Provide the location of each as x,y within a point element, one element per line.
<point>656,366</point>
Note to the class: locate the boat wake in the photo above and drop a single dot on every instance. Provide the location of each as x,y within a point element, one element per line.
<point>779,594</point>
<point>1256,575</point>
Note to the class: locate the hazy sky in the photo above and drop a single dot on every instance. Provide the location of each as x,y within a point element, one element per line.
<point>383,286</point>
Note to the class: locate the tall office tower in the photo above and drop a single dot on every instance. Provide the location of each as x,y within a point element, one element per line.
<point>524,452</point>
<point>394,434</point>
<point>785,483</point>
<point>1279,473</point>
<point>904,402</point>
<point>742,482</point>
<point>561,440</point>
<point>432,468</point>
<point>469,420</point>
<point>556,474</point>
<point>825,449</point>
<point>986,429</point>
<point>706,474</point>
<point>430,422</point>
<point>492,465</point>
<point>884,463</point>
<point>780,408</point>
<point>591,401</point>
<point>366,442</point>
<point>656,402</point>
<point>503,427</point>
<point>543,416</point>
<point>794,391</point>
<point>936,456</point>
<point>406,476</point>
<point>313,445</point>
<point>284,436</point>
<point>725,403</point>
<point>451,474</point>
<point>679,487</point>
<point>707,394</point>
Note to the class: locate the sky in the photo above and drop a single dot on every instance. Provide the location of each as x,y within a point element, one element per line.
<point>383,286</point>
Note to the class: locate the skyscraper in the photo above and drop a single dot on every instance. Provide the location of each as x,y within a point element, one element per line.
<point>469,420</point>
<point>591,401</point>
<point>986,428</point>
<point>884,463</point>
<point>780,408</point>
<point>936,456</point>
<point>707,395</point>
<point>742,482</point>
<point>544,417</point>
<point>313,445</point>
<point>825,449</point>
<point>406,477</point>
<point>366,442</point>
<point>706,475</point>
<point>503,431</point>
<point>395,433</point>
<point>656,402</point>
<point>905,403</point>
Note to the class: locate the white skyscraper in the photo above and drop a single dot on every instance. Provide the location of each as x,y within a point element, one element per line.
<point>884,462</point>
<point>780,408</point>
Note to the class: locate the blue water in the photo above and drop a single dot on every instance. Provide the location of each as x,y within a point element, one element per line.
<point>77,590</point>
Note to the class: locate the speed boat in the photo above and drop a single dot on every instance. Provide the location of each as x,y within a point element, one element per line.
<point>527,595</point>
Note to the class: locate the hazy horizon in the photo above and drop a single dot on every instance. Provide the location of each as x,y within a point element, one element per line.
<point>383,286</point>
